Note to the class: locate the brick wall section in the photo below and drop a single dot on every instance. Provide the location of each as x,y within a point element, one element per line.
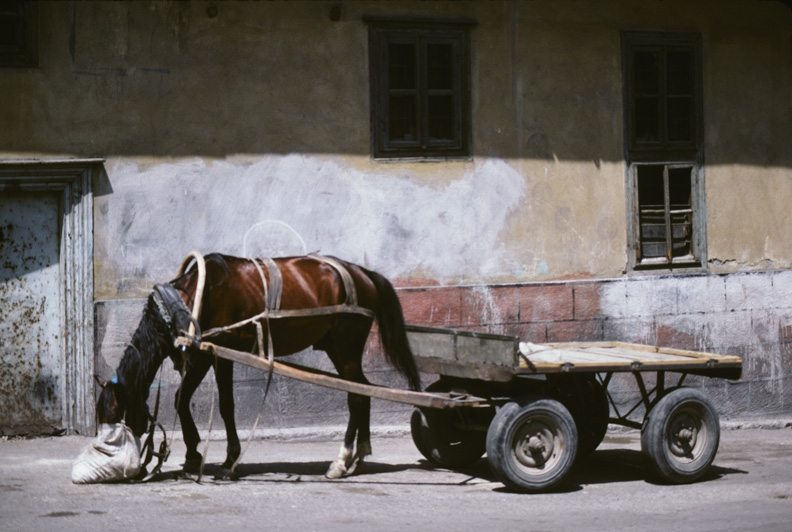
<point>747,314</point>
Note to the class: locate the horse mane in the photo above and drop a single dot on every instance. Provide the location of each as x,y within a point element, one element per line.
<point>138,367</point>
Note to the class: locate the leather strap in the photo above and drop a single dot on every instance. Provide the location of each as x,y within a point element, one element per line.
<point>349,284</point>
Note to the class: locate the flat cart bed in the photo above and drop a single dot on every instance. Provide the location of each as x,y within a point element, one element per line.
<point>622,357</point>
<point>500,358</point>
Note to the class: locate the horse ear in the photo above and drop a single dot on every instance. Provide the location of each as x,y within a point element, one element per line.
<point>100,381</point>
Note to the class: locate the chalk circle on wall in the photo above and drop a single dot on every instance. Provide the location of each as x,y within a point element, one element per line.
<point>272,238</point>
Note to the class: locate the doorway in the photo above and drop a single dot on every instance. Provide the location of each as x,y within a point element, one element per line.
<point>46,297</point>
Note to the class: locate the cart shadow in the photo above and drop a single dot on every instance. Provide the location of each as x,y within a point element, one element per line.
<point>627,465</point>
<point>601,467</point>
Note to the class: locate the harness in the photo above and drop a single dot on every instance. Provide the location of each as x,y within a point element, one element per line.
<point>184,323</point>
<point>180,322</point>
<point>274,290</point>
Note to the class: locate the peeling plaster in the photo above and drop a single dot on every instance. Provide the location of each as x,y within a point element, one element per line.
<point>158,213</point>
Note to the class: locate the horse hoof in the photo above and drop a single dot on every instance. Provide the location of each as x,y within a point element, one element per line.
<point>191,466</point>
<point>227,474</point>
<point>183,475</point>
<point>336,471</point>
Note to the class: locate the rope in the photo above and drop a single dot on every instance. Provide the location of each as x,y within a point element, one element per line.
<point>291,313</point>
<point>199,287</point>
<point>209,432</point>
<point>270,350</point>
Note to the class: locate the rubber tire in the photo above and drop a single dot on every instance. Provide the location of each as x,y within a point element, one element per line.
<point>673,458</point>
<point>591,427</point>
<point>586,399</point>
<point>440,442</point>
<point>546,422</point>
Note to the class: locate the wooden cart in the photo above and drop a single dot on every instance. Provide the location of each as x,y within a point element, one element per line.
<point>534,408</point>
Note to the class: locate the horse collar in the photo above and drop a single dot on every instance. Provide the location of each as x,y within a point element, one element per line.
<point>173,310</point>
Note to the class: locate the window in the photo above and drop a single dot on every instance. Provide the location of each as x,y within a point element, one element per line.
<point>662,109</point>
<point>420,89</point>
<point>18,34</point>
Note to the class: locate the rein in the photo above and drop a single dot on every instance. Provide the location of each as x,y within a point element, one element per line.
<point>147,451</point>
<point>170,305</point>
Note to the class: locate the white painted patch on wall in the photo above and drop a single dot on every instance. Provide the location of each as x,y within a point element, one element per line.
<point>396,225</point>
<point>748,314</point>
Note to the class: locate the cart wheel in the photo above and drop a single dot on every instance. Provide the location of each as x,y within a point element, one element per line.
<point>681,435</point>
<point>440,441</point>
<point>531,444</point>
<point>592,423</point>
<point>439,437</point>
<point>586,399</point>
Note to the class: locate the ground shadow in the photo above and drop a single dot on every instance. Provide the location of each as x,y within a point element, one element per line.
<point>601,467</point>
<point>627,465</point>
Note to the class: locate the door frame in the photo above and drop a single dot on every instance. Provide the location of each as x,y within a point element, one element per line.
<point>72,179</point>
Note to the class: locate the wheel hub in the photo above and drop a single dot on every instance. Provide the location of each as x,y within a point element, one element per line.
<point>534,445</point>
<point>684,435</point>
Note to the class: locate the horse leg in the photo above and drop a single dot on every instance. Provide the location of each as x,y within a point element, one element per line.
<point>224,373</point>
<point>347,356</point>
<point>192,379</point>
<point>357,439</point>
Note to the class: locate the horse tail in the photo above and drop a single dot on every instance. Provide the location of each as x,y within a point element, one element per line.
<point>390,319</point>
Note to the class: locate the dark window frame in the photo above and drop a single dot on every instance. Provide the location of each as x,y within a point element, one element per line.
<point>421,35</point>
<point>21,51</point>
<point>681,230</point>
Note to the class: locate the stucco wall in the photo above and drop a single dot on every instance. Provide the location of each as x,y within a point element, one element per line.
<point>248,133</point>
<point>213,118</point>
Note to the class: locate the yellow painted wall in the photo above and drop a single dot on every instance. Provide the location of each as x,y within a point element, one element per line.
<point>213,126</point>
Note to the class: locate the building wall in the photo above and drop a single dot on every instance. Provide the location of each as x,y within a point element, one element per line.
<point>248,133</point>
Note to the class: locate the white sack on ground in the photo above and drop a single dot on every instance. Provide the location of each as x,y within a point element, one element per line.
<point>114,455</point>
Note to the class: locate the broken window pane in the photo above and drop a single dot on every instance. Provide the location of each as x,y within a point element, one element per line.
<point>661,216</point>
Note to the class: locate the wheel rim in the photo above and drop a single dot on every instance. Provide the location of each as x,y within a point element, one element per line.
<point>537,445</point>
<point>687,434</point>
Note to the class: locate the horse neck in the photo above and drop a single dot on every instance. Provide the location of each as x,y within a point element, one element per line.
<point>143,357</point>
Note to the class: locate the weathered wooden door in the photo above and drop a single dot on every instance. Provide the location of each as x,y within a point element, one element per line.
<point>46,296</point>
<point>31,387</point>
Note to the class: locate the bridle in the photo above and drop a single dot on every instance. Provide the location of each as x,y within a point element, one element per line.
<point>180,322</point>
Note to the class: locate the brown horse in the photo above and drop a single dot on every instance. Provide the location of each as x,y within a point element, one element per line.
<point>234,293</point>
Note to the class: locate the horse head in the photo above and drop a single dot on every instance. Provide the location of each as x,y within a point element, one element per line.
<point>113,406</point>
<point>124,398</point>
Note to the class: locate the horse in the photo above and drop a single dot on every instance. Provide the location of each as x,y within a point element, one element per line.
<point>236,292</point>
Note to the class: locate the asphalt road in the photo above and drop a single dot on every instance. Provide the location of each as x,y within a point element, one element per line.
<point>282,487</point>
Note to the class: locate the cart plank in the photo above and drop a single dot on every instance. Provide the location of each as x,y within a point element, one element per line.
<point>464,354</point>
<point>622,356</point>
